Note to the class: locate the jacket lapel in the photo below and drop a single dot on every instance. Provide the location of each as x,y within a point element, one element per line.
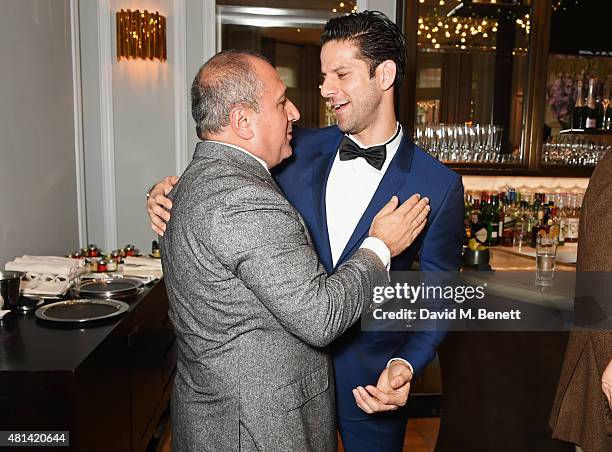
<point>392,181</point>
<point>321,168</point>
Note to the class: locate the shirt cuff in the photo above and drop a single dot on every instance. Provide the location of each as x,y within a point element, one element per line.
<point>378,246</point>
<point>402,360</point>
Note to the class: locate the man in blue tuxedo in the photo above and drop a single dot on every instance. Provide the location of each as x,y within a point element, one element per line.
<point>338,178</point>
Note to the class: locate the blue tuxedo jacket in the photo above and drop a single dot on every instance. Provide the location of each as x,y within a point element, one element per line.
<point>359,357</point>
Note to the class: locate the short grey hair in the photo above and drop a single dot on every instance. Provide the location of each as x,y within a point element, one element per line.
<point>227,80</point>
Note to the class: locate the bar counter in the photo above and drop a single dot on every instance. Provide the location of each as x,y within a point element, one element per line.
<point>108,384</point>
<point>498,387</point>
<point>516,259</point>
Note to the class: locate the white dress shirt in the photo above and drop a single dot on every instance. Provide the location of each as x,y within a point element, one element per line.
<point>350,188</point>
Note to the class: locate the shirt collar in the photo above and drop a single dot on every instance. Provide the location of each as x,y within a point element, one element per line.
<point>264,164</point>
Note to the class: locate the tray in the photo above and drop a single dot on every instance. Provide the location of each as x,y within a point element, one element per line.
<point>108,288</point>
<point>81,310</point>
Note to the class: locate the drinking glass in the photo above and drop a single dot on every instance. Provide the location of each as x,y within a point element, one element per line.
<point>546,253</point>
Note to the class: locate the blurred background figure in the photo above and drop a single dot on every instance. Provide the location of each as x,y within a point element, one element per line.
<point>582,408</point>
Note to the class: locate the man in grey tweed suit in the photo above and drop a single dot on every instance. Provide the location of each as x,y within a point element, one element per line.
<point>250,302</point>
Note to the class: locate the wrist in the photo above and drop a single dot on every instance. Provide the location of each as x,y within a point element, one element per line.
<point>401,362</point>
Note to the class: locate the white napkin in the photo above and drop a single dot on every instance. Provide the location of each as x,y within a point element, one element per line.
<point>41,268</point>
<point>47,267</point>
<point>53,259</point>
<point>143,261</point>
<point>3,313</point>
<point>142,271</point>
<point>45,288</point>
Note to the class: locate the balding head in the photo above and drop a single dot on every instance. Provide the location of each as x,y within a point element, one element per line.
<point>227,80</point>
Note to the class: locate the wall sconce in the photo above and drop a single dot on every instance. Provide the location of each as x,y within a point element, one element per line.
<point>141,34</point>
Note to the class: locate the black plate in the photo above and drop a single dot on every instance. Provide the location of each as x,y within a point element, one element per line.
<point>81,310</point>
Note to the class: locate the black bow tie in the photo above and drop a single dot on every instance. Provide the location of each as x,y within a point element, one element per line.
<point>374,155</point>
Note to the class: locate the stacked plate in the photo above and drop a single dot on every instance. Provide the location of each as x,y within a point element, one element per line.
<point>107,288</point>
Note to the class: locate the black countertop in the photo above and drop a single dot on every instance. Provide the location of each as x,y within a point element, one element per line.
<point>28,344</point>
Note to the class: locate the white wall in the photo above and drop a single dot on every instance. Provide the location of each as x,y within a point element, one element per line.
<point>144,127</point>
<point>137,125</point>
<point>37,153</point>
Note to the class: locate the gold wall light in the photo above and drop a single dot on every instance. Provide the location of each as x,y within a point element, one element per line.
<point>141,34</point>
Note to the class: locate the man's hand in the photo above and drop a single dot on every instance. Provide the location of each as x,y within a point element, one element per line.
<point>606,383</point>
<point>397,226</point>
<point>158,205</point>
<point>390,393</point>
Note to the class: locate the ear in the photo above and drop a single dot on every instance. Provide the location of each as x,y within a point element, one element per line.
<point>386,74</point>
<point>241,122</point>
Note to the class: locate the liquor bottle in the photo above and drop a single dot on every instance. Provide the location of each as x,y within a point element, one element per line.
<point>553,223</point>
<point>503,206</point>
<point>531,215</point>
<point>538,228</point>
<point>573,221</point>
<point>608,111</point>
<point>592,119</point>
<point>510,217</point>
<point>578,118</point>
<point>522,226</point>
<point>469,206</point>
<point>562,220</point>
<point>485,207</point>
<point>479,230</point>
<point>600,112</point>
<point>492,221</point>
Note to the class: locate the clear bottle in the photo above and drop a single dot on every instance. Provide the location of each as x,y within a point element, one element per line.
<point>573,220</point>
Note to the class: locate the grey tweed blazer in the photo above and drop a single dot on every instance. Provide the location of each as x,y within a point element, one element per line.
<point>252,308</point>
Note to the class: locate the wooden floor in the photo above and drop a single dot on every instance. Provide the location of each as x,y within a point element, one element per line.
<point>421,436</point>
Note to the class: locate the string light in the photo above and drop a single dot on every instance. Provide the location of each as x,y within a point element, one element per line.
<point>435,29</point>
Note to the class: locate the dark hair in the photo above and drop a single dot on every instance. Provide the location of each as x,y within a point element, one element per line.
<point>226,80</point>
<point>377,37</point>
